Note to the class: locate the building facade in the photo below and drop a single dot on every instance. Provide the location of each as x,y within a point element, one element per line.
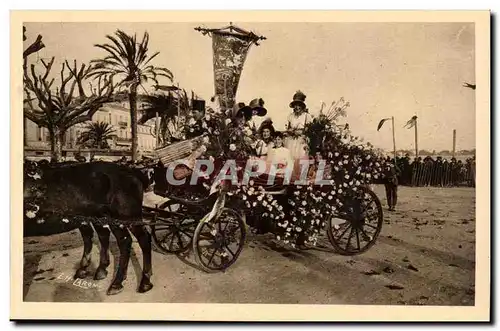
<point>116,114</point>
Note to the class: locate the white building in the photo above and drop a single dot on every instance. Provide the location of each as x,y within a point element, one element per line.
<point>116,114</point>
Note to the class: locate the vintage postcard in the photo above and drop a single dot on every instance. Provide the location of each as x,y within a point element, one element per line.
<point>250,165</point>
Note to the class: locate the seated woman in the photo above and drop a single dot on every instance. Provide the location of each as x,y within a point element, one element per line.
<point>279,156</point>
<point>265,142</point>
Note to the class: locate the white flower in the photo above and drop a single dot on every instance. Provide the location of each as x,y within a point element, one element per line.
<point>206,140</point>
<point>368,175</point>
<point>330,197</point>
<point>304,203</point>
<point>248,131</point>
<point>340,190</point>
<point>351,183</point>
<point>244,197</point>
<point>228,121</point>
<point>204,125</point>
<point>259,198</point>
<point>232,147</point>
<point>264,203</point>
<point>337,154</point>
<point>65,220</point>
<point>346,161</point>
<point>30,214</point>
<point>278,237</point>
<point>207,117</point>
<point>251,182</point>
<point>296,193</point>
<point>254,203</point>
<point>191,121</point>
<point>203,148</point>
<point>298,229</point>
<point>336,168</point>
<point>345,184</point>
<point>368,156</point>
<point>346,176</point>
<point>40,221</point>
<point>358,183</point>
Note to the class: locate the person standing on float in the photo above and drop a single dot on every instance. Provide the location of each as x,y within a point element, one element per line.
<point>295,140</point>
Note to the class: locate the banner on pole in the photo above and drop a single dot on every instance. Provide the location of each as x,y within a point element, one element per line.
<point>382,121</point>
<point>411,123</point>
<point>230,47</point>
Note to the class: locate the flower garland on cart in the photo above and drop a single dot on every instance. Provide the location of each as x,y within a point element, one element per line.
<point>302,213</point>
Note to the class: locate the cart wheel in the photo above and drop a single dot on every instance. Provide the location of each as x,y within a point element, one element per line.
<point>218,243</point>
<point>173,233</point>
<point>355,229</point>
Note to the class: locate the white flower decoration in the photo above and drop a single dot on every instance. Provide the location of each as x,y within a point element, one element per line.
<point>232,147</point>
<point>40,221</point>
<point>65,220</point>
<point>207,117</point>
<point>206,140</point>
<point>30,214</point>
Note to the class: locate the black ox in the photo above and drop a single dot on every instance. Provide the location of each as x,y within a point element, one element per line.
<point>62,197</point>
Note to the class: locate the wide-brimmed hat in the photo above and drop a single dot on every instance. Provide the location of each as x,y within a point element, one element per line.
<point>257,106</point>
<point>240,109</point>
<point>299,98</point>
<point>267,124</point>
<point>198,105</point>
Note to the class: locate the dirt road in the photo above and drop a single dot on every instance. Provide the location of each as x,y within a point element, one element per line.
<point>424,256</point>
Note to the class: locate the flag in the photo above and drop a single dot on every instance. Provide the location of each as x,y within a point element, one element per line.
<point>230,46</point>
<point>411,123</point>
<point>382,123</point>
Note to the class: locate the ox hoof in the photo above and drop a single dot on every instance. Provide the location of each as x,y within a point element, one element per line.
<point>115,289</point>
<point>100,273</point>
<point>145,286</point>
<point>81,273</point>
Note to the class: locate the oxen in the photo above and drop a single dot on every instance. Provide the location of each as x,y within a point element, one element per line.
<point>62,197</point>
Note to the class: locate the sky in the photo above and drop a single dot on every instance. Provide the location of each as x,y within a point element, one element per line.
<point>382,69</point>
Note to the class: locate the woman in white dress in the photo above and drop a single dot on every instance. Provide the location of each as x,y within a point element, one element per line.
<point>265,138</point>
<point>296,122</point>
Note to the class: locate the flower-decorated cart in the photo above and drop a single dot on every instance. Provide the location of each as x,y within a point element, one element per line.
<point>211,212</point>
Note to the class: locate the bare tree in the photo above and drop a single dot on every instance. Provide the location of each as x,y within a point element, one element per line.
<point>58,109</point>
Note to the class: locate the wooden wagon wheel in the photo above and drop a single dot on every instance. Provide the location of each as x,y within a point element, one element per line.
<point>172,231</point>
<point>356,227</point>
<point>218,243</point>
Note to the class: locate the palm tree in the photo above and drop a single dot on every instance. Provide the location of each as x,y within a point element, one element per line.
<point>96,135</point>
<point>172,109</point>
<point>130,60</point>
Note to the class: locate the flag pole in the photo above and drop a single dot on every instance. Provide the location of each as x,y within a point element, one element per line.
<point>393,138</point>
<point>454,142</point>
<point>416,139</point>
